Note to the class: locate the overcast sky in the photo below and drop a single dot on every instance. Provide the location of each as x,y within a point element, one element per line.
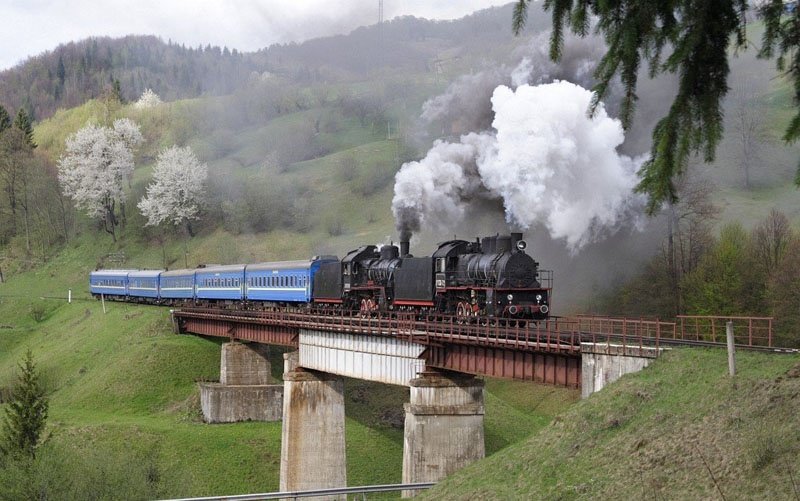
<point>29,27</point>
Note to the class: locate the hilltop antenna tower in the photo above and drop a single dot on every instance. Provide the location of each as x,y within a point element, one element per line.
<point>380,11</point>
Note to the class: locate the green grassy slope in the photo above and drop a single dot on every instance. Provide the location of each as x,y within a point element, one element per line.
<point>680,429</point>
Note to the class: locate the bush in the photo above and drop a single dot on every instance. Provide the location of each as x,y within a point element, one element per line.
<point>38,311</point>
<point>335,225</point>
<point>261,205</point>
<point>373,178</point>
<point>59,473</point>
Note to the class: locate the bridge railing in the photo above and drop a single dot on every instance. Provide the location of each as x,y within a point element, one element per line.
<point>556,334</point>
<point>547,335</point>
<point>632,327</point>
<point>747,331</point>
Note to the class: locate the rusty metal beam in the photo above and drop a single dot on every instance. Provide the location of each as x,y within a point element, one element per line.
<point>550,368</point>
<point>259,333</point>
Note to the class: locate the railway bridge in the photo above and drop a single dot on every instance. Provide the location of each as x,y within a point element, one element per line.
<point>436,356</point>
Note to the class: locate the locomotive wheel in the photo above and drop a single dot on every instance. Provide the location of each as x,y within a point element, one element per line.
<point>463,312</point>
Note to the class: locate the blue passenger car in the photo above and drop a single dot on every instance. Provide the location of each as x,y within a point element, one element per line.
<point>143,283</point>
<point>109,283</point>
<point>283,281</point>
<point>220,282</point>
<point>176,284</point>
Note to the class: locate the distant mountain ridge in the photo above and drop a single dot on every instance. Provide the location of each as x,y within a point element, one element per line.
<point>74,72</point>
<point>77,71</point>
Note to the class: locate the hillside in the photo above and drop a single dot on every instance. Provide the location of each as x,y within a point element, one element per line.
<point>124,399</point>
<point>75,72</point>
<point>680,429</point>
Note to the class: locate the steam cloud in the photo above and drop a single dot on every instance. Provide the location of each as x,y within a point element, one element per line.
<point>546,160</point>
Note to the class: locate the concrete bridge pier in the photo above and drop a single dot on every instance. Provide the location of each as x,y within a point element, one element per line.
<point>604,363</point>
<point>313,437</point>
<point>443,427</point>
<point>243,392</point>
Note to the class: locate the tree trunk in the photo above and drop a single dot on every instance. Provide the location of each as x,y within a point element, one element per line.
<point>63,216</point>
<point>671,261</point>
<point>27,232</point>
<point>108,225</point>
<point>110,221</point>
<point>189,228</point>
<point>163,242</point>
<point>24,205</point>
<point>12,198</point>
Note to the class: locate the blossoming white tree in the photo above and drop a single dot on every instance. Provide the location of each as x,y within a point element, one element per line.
<point>97,161</point>
<point>148,99</point>
<point>176,193</point>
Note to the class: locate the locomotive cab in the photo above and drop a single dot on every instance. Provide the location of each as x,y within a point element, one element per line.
<point>368,277</point>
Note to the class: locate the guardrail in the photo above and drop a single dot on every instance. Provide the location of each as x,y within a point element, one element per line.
<point>340,491</point>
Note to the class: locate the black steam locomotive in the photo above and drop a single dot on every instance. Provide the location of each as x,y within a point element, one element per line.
<point>491,277</point>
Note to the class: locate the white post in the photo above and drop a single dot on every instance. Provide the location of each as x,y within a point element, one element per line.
<point>69,296</point>
<point>103,300</point>
<point>731,348</point>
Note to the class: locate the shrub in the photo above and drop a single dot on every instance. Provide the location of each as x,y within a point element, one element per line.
<point>38,312</point>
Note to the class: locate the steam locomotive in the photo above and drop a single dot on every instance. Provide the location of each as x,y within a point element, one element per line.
<point>489,277</point>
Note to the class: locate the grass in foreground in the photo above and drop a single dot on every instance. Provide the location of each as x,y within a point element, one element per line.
<point>680,429</point>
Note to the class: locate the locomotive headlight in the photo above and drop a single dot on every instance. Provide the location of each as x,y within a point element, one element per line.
<point>522,245</point>
<point>538,297</point>
<point>510,297</point>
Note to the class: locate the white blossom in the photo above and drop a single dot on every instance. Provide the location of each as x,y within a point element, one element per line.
<point>148,99</point>
<point>176,193</point>
<point>95,165</point>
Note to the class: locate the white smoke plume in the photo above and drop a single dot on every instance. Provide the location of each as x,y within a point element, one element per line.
<point>546,160</point>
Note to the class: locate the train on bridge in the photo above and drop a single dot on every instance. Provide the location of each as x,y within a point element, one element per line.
<point>488,277</point>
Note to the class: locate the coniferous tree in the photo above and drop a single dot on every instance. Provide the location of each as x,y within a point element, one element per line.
<point>26,414</point>
<point>23,123</point>
<point>5,119</point>
<point>688,38</point>
<point>61,71</point>
<point>116,90</point>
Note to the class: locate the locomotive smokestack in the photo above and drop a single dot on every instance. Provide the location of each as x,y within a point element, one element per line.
<point>405,237</point>
<point>404,245</point>
<point>515,237</point>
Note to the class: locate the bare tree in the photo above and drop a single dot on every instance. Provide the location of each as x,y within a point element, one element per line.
<point>689,231</point>
<point>771,239</point>
<point>13,156</point>
<point>784,296</point>
<point>748,126</point>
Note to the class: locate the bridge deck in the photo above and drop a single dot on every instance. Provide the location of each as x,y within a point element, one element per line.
<point>547,351</point>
